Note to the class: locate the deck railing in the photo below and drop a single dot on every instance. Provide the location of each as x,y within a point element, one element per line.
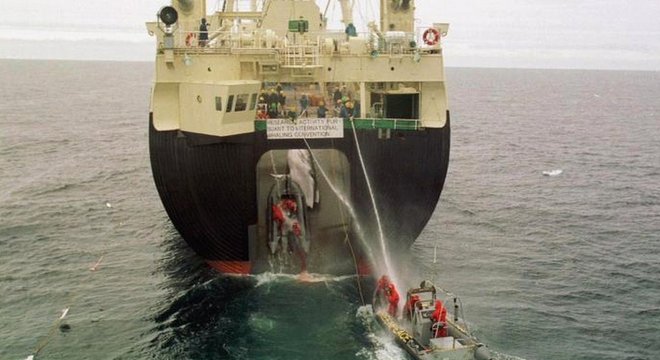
<point>303,50</point>
<point>370,123</point>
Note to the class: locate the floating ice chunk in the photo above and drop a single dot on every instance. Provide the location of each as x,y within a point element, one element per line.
<point>96,266</point>
<point>553,172</point>
<point>64,312</point>
<point>108,204</point>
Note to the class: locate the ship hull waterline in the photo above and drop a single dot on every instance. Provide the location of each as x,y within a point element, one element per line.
<point>215,192</point>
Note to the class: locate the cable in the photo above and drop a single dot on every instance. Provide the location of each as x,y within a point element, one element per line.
<point>73,298</point>
<point>346,233</point>
<point>72,301</point>
<point>383,244</point>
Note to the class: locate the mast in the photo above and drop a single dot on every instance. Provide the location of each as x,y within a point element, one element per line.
<point>397,15</point>
<point>229,6</point>
<point>190,8</point>
<point>190,12</point>
<point>346,12</point>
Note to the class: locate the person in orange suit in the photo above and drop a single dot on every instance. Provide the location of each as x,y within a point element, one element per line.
<point>380,295</point>
<point>410,306</point>
<point>439,320</point>
<point>393,300</point>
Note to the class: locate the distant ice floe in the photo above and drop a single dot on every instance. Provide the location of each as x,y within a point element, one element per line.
<point>64,312</point>
<point>555,172</point>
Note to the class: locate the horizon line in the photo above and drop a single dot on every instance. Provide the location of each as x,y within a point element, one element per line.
<point>490,67</point>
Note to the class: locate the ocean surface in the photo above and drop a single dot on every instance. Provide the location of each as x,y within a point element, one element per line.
<point>547,267</point>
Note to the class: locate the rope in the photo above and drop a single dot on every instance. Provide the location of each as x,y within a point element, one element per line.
<point>373,200</point>
<point>327,6</point>
<point>72,301</point>
<point>346,234</point>
<point>73,298</point>
<point>272,162</point>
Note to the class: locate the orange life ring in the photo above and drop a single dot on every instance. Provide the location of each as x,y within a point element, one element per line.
<point>431,36</point>
<point>190,39</point>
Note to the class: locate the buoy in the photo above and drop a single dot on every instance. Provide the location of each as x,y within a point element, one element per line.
<point>431,36</point>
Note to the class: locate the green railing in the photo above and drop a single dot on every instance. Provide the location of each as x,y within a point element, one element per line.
<point>393,124</point>
<point>362,124</point>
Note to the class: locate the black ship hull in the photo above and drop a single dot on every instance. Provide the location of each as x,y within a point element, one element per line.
<point>215,191</point>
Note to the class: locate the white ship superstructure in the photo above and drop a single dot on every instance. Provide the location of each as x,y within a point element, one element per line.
<point>236,90</point>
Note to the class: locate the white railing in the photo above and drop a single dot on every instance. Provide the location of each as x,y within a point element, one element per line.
<point>305,51</point>
<point>300,56</point>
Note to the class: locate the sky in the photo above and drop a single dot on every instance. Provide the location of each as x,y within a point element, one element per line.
<point>583,34</point>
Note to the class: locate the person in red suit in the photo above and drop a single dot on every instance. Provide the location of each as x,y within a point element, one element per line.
<point>285,215</point>
<point>410,306</point>
<point>380,295</point>
<point>439,320</point>
<point>393,300</point>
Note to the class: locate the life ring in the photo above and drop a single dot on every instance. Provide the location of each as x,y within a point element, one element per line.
<point>431,36</point>
<point>190,39</point>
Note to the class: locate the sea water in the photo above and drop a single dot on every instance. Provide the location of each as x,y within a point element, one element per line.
<point>547,267</point>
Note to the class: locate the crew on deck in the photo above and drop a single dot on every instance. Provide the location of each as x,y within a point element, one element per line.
<point>393,299</point>
<point>439,320</point>
<point>203,33</point>
<point>386,293</point>
<point>410,306</point>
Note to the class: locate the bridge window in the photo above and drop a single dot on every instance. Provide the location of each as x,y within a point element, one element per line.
<point>253,102</point>
<point>241,102</point>
<point>230,103</point>
<point>218,103</point>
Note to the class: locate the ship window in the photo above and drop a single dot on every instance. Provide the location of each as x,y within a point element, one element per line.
<point>218,103</point>
<point>230,103</point>
<point>241,102</point>
<point>253,102</point>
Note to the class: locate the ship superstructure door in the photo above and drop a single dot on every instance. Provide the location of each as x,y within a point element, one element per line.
<point>401,106</point>
<point>395,101</point>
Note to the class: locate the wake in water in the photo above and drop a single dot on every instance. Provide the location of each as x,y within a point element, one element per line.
<point>271,316</point>
<point>270,277</point>
<point>382,347</point>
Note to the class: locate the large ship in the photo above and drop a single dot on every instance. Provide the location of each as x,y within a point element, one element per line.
<point>278,144</point>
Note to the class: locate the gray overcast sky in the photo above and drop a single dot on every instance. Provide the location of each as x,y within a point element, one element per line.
<point>599,34</point>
